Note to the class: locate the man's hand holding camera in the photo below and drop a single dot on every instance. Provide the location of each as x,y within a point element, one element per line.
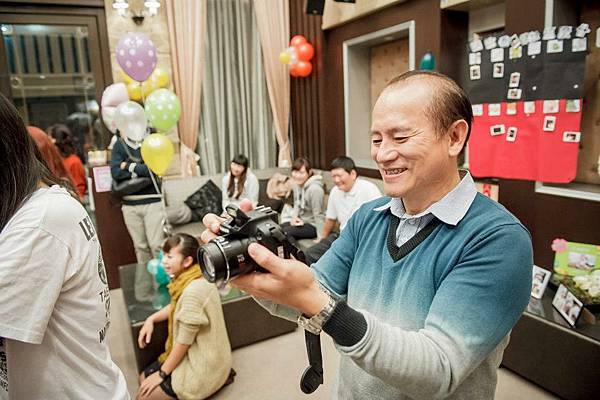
<point>288,281</point>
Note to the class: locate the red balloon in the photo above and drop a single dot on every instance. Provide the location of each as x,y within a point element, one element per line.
<point>302,69</point>
<point>305,51</point>
<point>297,40</point>
<point>293,71</point>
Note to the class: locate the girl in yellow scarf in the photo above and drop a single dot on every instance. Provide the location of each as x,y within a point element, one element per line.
<point>197,335</point>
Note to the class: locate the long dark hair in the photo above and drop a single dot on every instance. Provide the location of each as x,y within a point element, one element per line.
<point>63,137</point>
<point>241,160</point>
<point>21,165</point>
<point>188,245</point>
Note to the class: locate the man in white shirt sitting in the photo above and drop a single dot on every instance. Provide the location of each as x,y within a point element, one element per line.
<point>349,193</point>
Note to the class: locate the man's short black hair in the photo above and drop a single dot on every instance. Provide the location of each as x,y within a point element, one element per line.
<point>448,103</point>
<point>343,162</point>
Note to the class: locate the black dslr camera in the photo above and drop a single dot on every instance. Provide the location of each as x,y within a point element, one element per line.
<point>226,256</point>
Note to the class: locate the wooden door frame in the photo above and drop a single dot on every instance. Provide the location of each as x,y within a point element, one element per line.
<point>92,17</point>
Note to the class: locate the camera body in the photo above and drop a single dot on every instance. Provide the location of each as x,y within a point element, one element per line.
<point>226,256</point>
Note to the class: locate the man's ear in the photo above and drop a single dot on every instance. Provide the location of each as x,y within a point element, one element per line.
<point>457,135</point>
<point>354,174</point>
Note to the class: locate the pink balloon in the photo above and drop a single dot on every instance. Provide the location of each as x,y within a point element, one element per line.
<point>108,117</point>
<point>114,95</point>
<point>136,54</point>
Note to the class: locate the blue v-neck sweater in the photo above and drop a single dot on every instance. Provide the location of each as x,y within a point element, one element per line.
<point>438,310</point>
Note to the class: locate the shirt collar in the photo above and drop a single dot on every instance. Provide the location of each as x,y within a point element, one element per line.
<point>450,209</point>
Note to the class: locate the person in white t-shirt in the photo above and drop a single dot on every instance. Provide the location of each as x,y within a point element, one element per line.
<point>239,183</point>
<point>53,287</point>
<point>349,193</point>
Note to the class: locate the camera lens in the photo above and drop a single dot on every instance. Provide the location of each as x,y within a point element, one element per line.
<point>221,259</point>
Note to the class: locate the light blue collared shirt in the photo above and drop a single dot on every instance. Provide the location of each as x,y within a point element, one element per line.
<point>450,210</point>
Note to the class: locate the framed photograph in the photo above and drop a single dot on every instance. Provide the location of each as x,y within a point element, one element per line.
<point>534,48</point>
<point>494,109</point>
<point>511,134</point>
<point>567,305</point>
<point>475,72</point>
<point>497,55</point>
<point>529,107</point>
<point>476,45</point>
<point>564,32</point>
<point>539,280</point>
<point>498,70</point>
<point>573,105</point>
<point>550,106</point>
<point>474,58</point>
<point>549,123</point>
<point>514,94</point>
<point>515,52</point>
<point>579,44</point>
<point>571,137</point>
<point>515,78</point>
<point>496,130</point>
<point>511,108</point>
<point>554,46</point>
<point>573,259</point>
<point>477,110</point>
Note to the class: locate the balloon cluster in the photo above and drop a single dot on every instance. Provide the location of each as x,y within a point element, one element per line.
<point>298,57</point>
<point>146,84</point>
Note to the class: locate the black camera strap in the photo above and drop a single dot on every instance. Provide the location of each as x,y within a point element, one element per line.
<point>312,377</point>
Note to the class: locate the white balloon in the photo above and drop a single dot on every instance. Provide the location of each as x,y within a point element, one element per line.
<point>114,95</point>
<point>130,119</point>
<point>108,117</point>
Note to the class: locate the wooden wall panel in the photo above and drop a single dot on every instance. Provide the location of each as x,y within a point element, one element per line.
<point>306,93</point>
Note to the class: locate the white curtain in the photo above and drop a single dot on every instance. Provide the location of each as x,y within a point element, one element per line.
<point>235,116</point>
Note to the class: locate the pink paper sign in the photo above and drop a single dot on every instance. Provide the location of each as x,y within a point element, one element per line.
<point>102,178</point>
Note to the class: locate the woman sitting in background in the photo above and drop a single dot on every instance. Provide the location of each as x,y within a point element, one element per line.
<point>240,183</point>
<point>51,156</point>
<point>308,201</point>
<point>63,139</point>
<point>197,358</point>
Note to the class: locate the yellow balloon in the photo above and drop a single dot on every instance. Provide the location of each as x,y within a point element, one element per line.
<point>157,153</point>
<point>134,90</point>
<point>148,86</point>
<point>284,57</point>
<point>126,78</point>
<point>161,77</point>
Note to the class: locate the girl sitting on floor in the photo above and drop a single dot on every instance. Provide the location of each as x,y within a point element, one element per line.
<point>197,360</point>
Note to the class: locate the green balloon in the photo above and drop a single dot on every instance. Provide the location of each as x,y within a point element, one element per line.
<point>163,109</point>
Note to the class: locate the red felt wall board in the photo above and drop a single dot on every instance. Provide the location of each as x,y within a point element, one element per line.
<point>534,155</point>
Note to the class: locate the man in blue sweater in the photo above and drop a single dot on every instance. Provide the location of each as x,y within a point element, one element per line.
<point>423,287</point>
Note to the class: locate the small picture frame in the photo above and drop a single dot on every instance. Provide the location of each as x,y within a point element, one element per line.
<point>567,305</point>
<point>490,42</point>
<point>564,32</point>
<point>579,44</point>
<point>494,109</point>
<point>529,107</point>
<point>476,45</point>
<point>550,106</point>
<point>549,123</point>
<point>511,108</point>
<point>573,105</point>
<point>498,71</point>
<point>477,110</point>
<point>539,280</point>
<point>554,46</point>
<point>504,41</point>
<point>571,137</point>
<point>515,52</point>
<point>497,55</point>
<point>534,48</point>
<point>514,94</point>
<point>515,79</point>
<point>475,72</point>
<point>496,130</point>
<point>475,58</point>
<point>511,134</point>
